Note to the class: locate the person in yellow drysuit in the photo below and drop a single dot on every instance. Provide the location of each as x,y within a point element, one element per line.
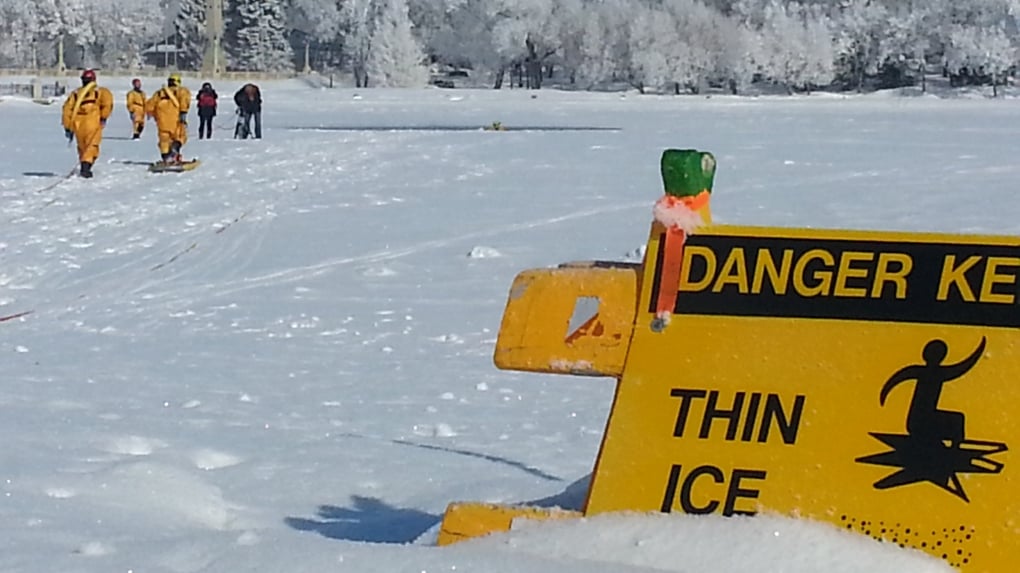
<point>85,112</point>
<point>136,107</point>
<point>169,106</point>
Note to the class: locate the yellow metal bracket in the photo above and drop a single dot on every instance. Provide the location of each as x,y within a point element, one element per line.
<point>575,319</point>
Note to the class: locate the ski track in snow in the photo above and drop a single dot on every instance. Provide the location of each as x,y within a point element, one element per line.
<point>288,351</point>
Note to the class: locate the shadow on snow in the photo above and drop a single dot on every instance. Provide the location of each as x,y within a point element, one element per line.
<point>372,520</point>
<point>367,519</point>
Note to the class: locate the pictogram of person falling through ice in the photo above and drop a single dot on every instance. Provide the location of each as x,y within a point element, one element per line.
<point>935,448</point>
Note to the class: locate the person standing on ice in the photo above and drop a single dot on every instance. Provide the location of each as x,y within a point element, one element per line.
<point>136,107</point>
<point>84,117</point>
<point>249,105</point>
<point>169,106</point>
<point>206,110</point>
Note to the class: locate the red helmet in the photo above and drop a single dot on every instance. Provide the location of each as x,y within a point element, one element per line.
<point>136,83</point>
<point>88,75</point>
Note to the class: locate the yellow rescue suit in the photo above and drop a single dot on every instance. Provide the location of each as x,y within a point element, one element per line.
<point>136,107</point>
<point>85,113</point>
<point>168,105</point>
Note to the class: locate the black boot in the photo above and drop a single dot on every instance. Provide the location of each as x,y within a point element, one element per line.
<point>175,152</point>
<point>85,170</point>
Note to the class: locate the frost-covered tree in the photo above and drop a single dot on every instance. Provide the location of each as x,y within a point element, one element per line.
<point>466,39</point>
<point>357,17</point>
<point>569,18</point>
<point>28,32</point>
<point>986,52</point>
<point>188,33</point>
<point>256,36</point>
<point>796,47</point>
<point>734,66</point>
<point>77,31</point>
<point>860,27</point>
<point>322,23</point>
<point>650,34</point>
<point>595,56</point>
<point>429,18</point>
<point>395,59</point>
<point>524,35</point>
<point>660,44</point>
<point>122,29</point>
<point>696,45</point>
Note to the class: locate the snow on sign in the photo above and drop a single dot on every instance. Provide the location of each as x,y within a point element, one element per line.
<point>867,379</point>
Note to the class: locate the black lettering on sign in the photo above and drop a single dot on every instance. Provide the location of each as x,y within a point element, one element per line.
<point>741,414</point>
<point>735,489</point>
<point>932,283</point>
<point>736,492</point>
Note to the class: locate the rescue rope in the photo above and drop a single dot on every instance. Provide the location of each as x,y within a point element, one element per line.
<point>191,247</point>
<point>194,245</point>
<point>59,181</point>
<point>15,315</point>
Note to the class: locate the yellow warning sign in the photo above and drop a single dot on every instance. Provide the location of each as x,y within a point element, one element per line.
<point>871,380</point>
<point>867,379</point>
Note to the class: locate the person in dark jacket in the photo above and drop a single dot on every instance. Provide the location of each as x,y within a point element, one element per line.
<point>249,105</point>
<point>206,110</point>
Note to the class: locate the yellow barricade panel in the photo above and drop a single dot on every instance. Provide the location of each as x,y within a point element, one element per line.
<point>576,319</point>
<point>864,379</point>
<point>467,520</point>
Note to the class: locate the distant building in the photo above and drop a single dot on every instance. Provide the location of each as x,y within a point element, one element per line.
<point>162,55</point>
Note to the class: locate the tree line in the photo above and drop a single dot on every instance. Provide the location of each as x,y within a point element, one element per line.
<point>668,46</point>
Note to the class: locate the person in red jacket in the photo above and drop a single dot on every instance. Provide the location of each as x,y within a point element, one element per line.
<point>206,110</point>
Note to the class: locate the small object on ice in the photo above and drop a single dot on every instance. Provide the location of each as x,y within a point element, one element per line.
<point>483,253</point>
<point>687,175</point>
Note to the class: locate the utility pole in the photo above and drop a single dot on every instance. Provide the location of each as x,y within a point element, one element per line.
<point>60,55</point>
<point>212,62</point>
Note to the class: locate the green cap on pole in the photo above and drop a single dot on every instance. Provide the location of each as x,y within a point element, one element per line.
<point>687,172</point>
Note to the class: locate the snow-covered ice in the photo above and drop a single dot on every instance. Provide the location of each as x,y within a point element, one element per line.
<point>283,360</point>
